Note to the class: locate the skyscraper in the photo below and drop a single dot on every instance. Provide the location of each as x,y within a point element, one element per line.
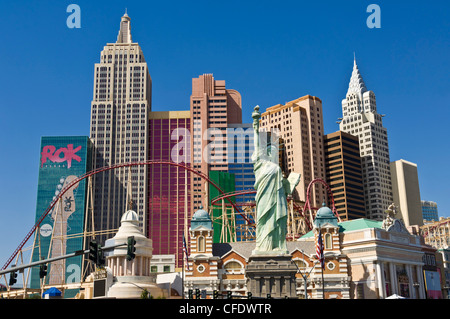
<point>240,149</point>
<point>429,210</point>
<point>213,108</point>
<point>406,192</point>
<point>360,118</point>
<point>300,125</point>
<point>119,128</point>
<point>62,160</point>
<point>169,185</point>
<point>343,167</point>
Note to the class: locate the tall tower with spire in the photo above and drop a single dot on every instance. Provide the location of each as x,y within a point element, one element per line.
<point>119,128</point>
<point>360,118</point>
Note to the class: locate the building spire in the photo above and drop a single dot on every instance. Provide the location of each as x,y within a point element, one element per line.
<point>356,84</point>
<point>124,35</point>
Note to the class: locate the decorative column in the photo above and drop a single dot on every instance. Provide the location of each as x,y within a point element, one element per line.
<point>410,281</point>
<point>420,281</point>
<point>393,273</point>
<point>380,280</point>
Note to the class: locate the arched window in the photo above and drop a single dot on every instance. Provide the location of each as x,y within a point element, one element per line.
<point>232,267</point>
<point>328,242</point>
<point>201,244</point>
<point>301,264</point>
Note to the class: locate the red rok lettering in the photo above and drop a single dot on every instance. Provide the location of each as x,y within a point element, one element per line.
<point>48,152</point>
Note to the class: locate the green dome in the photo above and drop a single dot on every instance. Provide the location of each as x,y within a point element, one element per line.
<point>201,218</point>
<point>325,215</point>
<point>200,214</point>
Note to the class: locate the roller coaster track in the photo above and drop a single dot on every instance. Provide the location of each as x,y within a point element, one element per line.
<point>307,205</point>
<point>104,169</point>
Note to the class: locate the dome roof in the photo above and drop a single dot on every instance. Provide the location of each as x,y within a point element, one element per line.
<point>201,218</point>
<point>325,216</point>
<point>130,215</point>
<point>325,212</point>
<point>201,214</point>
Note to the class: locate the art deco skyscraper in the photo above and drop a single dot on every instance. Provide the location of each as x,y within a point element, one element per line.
<point>119,124</point>
<point>361,119</point>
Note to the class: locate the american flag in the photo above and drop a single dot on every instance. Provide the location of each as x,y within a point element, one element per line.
<point>185,252</point>
<point>319,250</point>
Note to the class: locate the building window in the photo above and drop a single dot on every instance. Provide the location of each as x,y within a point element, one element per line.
<point>328,242</point>
<point>201,268</point>
<point>201,244</point>
<point>233,267</point>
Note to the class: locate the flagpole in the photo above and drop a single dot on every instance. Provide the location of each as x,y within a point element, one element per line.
<point>321,258</point>
<point>323,283</point>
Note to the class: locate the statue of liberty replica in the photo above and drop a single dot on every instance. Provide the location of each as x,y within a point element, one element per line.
<point>271,192</point>
<point>270,262</point>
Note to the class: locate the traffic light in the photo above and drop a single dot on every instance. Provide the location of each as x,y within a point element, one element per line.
<point>249,295</point>
<point>197,293</point>
<point>130,248</point>
<point>12,278</point>
<point>100,258</point>
<point>43,271</point>
<point>228,294</point>
<point>215,294</point>
<point>190,296</point>
<point>93,251</point>
<point>269,296</point>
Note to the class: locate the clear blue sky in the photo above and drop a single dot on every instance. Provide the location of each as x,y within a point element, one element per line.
<point>270,51</point>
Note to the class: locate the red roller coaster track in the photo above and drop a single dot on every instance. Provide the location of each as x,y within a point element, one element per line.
<point>330,196</point>
<point>103,169</point>
<point>232,194</point>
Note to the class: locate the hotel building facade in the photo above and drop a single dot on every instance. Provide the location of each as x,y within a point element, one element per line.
<point>299,123</point>
<point>363,260</point>
<point>213,107</point>
<point>360,118</point>
<point>169,195</point>
<point>119,128</point>
<point>343,167</point>
<point>406,192</point>
<point>62,160</point>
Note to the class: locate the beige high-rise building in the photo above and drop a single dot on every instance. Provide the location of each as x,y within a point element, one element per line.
<point>406,192</point>
<point>360,118</point>
<point>213,108</point>
<point>119,128</point>
<point>300,125</point>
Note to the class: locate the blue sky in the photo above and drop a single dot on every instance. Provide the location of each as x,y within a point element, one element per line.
<point>271,52</point>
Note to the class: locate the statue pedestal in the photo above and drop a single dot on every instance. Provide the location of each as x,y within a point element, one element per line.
<point>271,274</point>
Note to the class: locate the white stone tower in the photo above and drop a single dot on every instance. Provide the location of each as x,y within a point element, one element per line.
<point>119,128</point>
<point>360,118</point>
<point>131,277</point>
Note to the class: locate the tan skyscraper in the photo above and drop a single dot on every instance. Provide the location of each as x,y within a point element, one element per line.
<point>213,107</point>
<point>119,127</point>
<point>300,125</point>
<point>406,192</point>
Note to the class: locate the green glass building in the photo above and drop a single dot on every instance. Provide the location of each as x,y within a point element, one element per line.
<point>224,226</point>
<point>62,160</point>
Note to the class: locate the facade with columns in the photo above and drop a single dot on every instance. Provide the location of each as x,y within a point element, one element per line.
<point>363,260</point>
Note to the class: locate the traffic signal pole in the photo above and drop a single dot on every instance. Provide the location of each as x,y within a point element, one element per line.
<point>49,260</point>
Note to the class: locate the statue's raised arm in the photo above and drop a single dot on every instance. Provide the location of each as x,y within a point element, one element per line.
<point>256,115</point>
